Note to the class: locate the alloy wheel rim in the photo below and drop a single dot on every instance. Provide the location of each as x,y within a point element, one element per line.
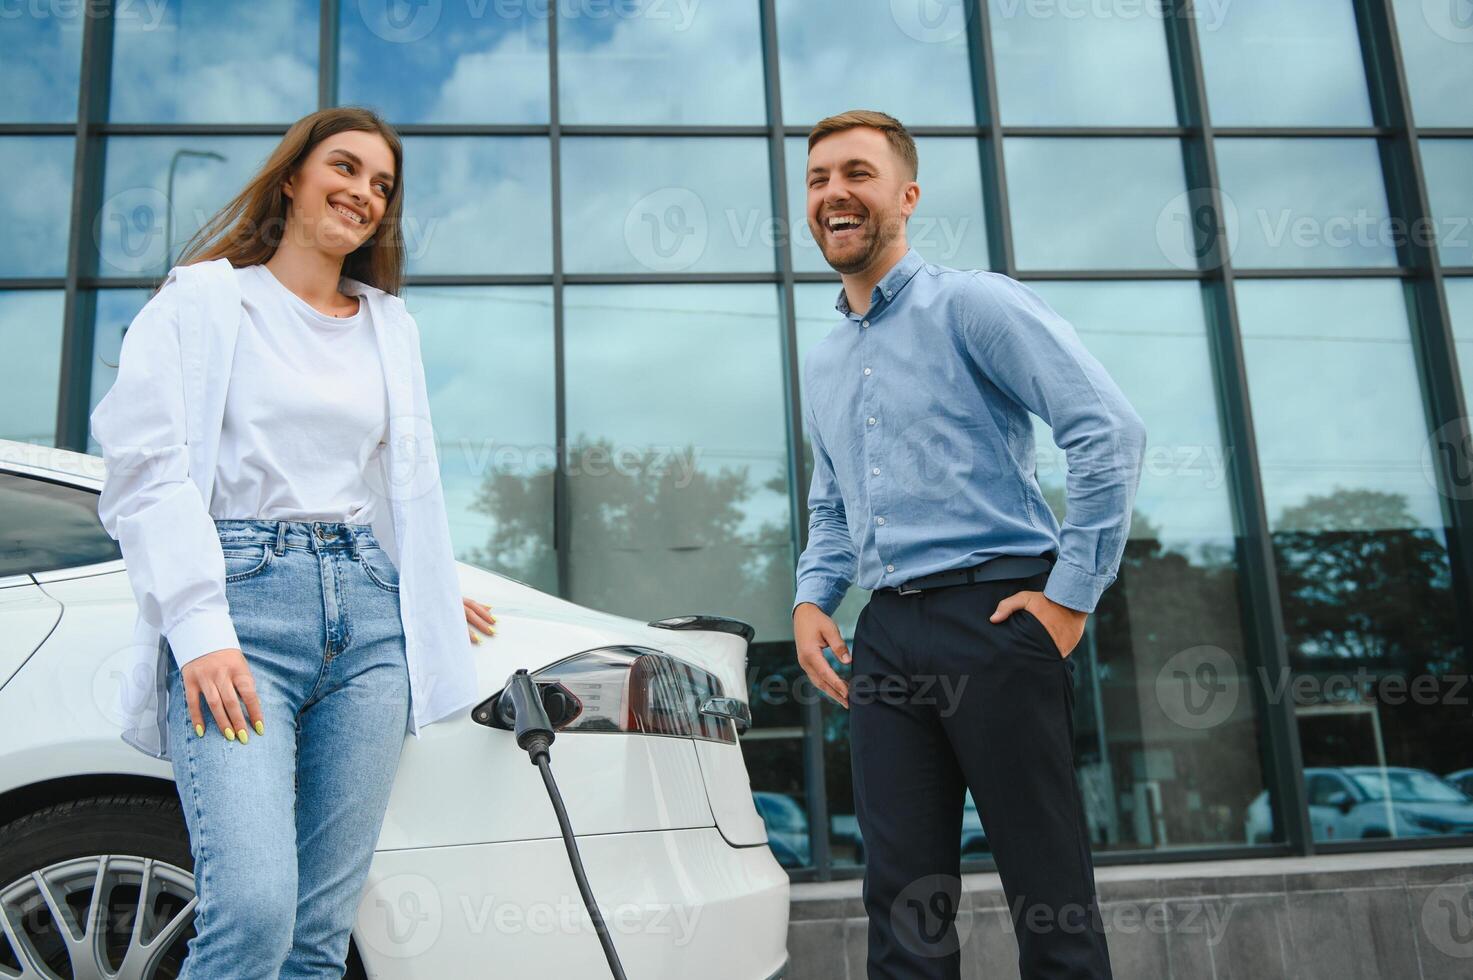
<point>105,917</point>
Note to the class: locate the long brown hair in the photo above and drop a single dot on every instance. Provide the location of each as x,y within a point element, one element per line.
<point>248,230</point>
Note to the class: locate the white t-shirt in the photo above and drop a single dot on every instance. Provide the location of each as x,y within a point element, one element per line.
<point>306,413</point>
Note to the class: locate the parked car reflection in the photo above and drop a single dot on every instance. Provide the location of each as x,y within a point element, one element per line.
<point>1357,802</point>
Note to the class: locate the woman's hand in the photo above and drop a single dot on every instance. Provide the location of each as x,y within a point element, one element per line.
<point>224,678</point>
<point>478,614</point>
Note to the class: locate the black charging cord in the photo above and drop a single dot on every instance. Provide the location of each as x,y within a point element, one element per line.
<point>523,703</point>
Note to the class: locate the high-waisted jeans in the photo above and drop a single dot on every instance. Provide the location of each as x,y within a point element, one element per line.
<point>283,827</point>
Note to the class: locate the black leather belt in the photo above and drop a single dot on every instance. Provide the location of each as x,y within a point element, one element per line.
<point>1003,566</point>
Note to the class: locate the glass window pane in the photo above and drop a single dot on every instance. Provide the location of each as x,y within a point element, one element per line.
<point>1359,546</point>
<point>677,460</point>
<point>1061,65</point>
<point>949,226</point>
<point>1270,63</point>
<point>201,61</point>
<point>907,57</point>
<point>1460,308</point>
<point>30,371</point>
<point>159,190</point>
<point>1448,165</point>
<point>477,204</point>
<point>1097,203</point>
<point>1152,777</point>
<point>37,203</point>
<point>667,205</point>
<point>445,63</point>
<point>660,63</point>
<point>1437,49</point>
<point>1305,202</point>
<point>489,368</point>
<point>42,63</point>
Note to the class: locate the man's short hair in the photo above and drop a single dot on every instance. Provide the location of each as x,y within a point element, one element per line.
<point>900,140</point>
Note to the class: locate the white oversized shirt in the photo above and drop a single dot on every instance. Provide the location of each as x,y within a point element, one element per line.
<point>306,414</point>
<point>160,427</point>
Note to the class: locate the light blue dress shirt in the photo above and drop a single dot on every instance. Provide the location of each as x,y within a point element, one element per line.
<point>923,452</point>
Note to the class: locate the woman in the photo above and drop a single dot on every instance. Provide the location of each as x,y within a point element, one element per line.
<point>291,581</point>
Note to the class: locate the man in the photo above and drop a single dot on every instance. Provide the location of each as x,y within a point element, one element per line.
<point>924,491</point>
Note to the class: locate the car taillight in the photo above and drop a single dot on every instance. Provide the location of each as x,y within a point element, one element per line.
<point>636,690</point>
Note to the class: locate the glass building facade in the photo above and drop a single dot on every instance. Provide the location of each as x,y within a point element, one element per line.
<point>1256,214</point>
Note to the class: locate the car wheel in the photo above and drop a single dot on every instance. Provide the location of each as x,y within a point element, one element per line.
<point>73,877</point>
<point>107,851</point>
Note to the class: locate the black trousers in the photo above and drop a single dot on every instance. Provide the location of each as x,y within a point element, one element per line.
<point>942,700</point>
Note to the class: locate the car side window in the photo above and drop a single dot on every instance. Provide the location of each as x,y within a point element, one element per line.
<point>46,525</point>
<point>1320,790</point>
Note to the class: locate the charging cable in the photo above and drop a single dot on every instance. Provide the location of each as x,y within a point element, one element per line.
<point>521,706</point>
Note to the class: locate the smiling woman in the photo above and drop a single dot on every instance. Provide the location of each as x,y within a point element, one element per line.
<point>285,582</point>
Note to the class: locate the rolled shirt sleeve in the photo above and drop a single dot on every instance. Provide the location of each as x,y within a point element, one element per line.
<point>149,504</point>
<point>1035,356</point>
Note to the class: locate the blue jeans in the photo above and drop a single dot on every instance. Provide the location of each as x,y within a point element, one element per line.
<point>283,827</point>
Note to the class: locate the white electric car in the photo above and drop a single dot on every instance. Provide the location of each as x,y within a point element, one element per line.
<point>470,877</point>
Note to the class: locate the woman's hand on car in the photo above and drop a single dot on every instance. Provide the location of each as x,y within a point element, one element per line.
<point>478,614</point>
<point>224,679</point>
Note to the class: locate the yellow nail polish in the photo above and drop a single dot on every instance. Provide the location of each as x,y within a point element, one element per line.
<point>244,738</point>
<point>475,638</point>
<point>230,734</point>
<point>492,631</point>
<point>199,730</point>
<point>260,728</point>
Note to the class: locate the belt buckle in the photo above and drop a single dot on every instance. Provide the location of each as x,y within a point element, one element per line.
<point>903,589</point>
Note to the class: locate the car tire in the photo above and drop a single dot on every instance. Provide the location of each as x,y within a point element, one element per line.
<point>127,837</point>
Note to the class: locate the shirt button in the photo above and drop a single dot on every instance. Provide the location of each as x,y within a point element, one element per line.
<point>879,520</point>
<point>876,471</point>
<point>866,370</point>
<point>865,324</point>
<point>871,420</point>
<point>889,568</point>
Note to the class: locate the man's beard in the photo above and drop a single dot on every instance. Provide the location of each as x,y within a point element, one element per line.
<point>872,246</point>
